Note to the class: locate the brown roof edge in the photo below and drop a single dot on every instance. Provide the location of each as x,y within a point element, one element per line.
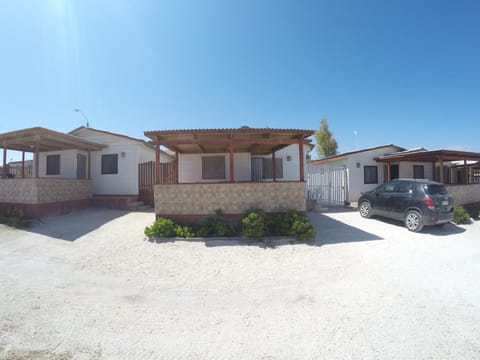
<point>343,155</point>
<point>244,129</point>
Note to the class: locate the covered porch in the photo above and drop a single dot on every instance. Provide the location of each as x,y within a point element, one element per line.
<point>458,170</point>
<point>40,195</point>
<point>215,169</point>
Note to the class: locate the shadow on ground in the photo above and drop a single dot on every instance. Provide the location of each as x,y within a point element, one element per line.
<point>439,230</point>
<point>76,224</point>
<point>331,231</point>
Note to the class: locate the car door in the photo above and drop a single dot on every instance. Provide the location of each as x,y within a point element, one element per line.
<point>383,198</point>
<point>400,199</point>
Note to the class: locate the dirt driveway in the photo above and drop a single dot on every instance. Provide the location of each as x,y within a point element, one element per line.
<point>89,286</point>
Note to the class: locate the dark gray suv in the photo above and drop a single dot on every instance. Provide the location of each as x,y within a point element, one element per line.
<point>417,202</point>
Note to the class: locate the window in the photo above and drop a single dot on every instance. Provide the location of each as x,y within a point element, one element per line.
<point>418,172</point>
<point>110,164</point>
<point>268,168</point>
<point>213,167</point>
<point>370,174</point>
<point>53,164</point>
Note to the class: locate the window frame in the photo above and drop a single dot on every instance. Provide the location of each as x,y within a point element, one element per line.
<point>53,161</point>
<point>268,168</point>
<point>109,170</point>
<point>370,167</point>
<point>419,167</point>
<point>219,164</point>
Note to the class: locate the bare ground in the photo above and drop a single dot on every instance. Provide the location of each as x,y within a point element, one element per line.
<point>89,286</point>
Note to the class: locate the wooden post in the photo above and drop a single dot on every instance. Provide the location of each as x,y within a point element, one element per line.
<point>23,164</point>
<point>389,173</point>
<point>301,160</point>
<point>37,161</point>
<point>232,173</point>
<point>89,168</point>
<point>4,169</point>
<point>274,170</point>
<point>465,178</point>
<point>177,162</point>
<point>441,171</point>
<point>157,162</point>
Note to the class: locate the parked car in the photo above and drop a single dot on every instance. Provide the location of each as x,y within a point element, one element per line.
<point>417,202</point>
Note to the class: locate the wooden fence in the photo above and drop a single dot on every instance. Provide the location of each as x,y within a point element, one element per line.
<point>146,179</point>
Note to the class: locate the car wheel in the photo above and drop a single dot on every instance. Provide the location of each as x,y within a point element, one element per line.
<point>414,221</point>
<point>365,209</point>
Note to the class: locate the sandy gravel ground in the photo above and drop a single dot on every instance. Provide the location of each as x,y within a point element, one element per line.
<point>89,286</point>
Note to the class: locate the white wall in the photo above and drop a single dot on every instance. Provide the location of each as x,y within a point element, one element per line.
<point>130,152</point>
<point>190,167</point>
<point>291,171</point>
<point>68,164</point>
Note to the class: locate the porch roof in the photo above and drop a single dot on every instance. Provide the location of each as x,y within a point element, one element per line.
<point>41,139</point>
<point>430,156</point>
<point>257,141</point>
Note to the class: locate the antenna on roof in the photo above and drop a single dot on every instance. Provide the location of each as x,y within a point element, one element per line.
<point>83,115</point>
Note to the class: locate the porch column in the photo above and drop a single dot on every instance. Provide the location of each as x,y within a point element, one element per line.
<point>441,170</point>
<point>177,167</point>
<point>157,162</point>
<point>23,164</point>
<point>37,161</point>
<point>434,176</point>
<point>89,168</point>
<point>389,174</point>
<point>4,168</point>
<point>300,156</point>
<point>465,178</point>
<point>232,173</point>
<point>274,169</point>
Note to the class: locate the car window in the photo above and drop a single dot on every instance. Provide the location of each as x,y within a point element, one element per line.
<point>403,187</point>
<point>386,188</point>
<point>434,189</point>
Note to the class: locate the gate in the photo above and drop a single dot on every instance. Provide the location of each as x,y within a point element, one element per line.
<point>146,179</point>
<point>327,186</point>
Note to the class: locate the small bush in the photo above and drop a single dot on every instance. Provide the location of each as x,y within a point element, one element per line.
<point>184,231</point>
<point>161,228</point>
<point>460,216</point>
<point>14,217</point>
<point>254,224</point>
<point>215,226</point>
<point>302,229</point>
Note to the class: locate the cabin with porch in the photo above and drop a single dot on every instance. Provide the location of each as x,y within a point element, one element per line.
<point>232,170</point>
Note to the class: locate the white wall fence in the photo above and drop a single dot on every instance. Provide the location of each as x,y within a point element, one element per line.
<point>327,186</point>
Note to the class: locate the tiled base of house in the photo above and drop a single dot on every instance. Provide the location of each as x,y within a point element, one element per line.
<point>121,202</point>
<point>42,210</point>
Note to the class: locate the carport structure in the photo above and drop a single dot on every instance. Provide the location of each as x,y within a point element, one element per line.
<point>38,195</point>
<point>459,170</point>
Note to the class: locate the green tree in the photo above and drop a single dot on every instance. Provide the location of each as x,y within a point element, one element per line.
<point>326,143</point>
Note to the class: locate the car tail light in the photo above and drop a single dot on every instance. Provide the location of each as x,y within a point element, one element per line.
<point>429,202</point>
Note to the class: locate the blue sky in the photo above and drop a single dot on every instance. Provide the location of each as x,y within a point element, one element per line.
<point>403,72</point>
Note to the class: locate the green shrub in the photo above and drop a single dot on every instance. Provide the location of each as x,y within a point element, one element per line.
<point>184,231</point>
<point>161,228</point>
<point>460,216</point>
<point>14,217</point>
<point>302,229</point>
<point>214,226</point>
<point>254,224</point>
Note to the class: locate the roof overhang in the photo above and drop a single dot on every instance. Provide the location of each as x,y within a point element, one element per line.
<point>41,139</point>
<point>245,139</point>
<point>431,156</point>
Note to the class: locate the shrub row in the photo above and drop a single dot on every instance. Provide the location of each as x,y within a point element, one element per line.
<point>255,224</point>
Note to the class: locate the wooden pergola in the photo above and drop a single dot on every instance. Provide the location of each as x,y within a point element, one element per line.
<point>39,139</point>
<point>256,141</point>
<point>433,156</point>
